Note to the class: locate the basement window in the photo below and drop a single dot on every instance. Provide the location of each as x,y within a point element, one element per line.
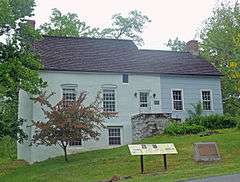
<point>76,143</point>
<point>114,135</point>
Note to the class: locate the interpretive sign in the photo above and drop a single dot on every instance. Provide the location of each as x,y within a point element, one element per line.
<point>152,149</point>
<point>206,152</point>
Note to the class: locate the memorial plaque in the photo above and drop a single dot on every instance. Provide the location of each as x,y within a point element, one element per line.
<point>206,152</point>
<point>152,149</point>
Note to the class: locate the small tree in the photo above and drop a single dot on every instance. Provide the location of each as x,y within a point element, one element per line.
<point>197,110</point>
<point>68,121</point>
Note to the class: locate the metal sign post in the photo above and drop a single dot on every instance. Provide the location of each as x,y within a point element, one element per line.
<point>142,165</point>
<point>165,161</point>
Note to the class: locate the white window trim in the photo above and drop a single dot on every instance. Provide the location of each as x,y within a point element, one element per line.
<point>69,86</point>
<point>121,135</point>
<point>182,94</point>
<point>113,87</point>
<point>211,99</point>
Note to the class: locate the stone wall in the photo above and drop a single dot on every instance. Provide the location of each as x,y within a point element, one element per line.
<point>148,124</point>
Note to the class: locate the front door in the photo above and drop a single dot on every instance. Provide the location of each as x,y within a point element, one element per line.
<point>144,105</point>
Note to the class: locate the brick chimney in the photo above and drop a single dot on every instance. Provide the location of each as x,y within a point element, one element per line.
<point>192,47</point>
<point>32,23</point>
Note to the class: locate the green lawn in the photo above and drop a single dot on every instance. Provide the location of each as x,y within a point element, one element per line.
<point>103,164</point>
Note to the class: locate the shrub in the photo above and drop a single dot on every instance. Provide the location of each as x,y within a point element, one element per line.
<point>183,129</point>
<point>238,122</point>
<point>238,125</point>
<point>213,122</point>
<point>196,111</point>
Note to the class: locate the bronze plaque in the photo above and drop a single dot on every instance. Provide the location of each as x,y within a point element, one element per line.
<point>206,152</point>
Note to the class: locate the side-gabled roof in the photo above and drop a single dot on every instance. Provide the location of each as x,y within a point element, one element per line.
<point>109,55</point>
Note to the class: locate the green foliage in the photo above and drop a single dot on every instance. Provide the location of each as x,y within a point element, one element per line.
<point>129,27</point>
<point>221,46</point>
<point>183,129</point>
<point>232,106</point>
<point>200,123</point>
<point>67,25</point>
<point>238,125</point>
<point>9,123</point>
<point>18,64</point>
<point>101,165</point>
<point>176,45</point>
<point>8,148</point>
<point>197,110</point>
<point>213,122</point>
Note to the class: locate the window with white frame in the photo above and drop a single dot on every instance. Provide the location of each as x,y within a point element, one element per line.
<point>109,104</point>
<point>206,100</point>
<point>177,97</point>
<point>75,143</point>
<point>143,96</point>
<point>69,95</point>
<point>114,134</point>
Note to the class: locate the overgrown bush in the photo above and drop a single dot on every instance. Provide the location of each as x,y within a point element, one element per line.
<point>183,129</point>
<point>8,148</point>
<point>238,122</point>
<point>213,122</point>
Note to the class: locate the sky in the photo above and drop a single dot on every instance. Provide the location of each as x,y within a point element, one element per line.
<point>170,18</point>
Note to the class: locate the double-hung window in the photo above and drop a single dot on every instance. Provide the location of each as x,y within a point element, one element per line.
<point>177,99</point>
<point>114,135</point>
<point>143,96</point>
<point>69,96</point>
<point>206,100</point>
<point>109,103</point>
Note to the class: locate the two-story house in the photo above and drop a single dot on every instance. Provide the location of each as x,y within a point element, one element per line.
<point>131,81</point>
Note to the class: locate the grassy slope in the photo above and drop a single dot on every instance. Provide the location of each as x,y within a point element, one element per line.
<point>102,164</point>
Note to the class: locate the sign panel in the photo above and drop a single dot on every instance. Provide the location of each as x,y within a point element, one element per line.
<point>152,149</point>
<point>206,152</point>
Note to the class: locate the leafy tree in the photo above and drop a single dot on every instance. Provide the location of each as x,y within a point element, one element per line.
<point>197,110</point>
<point>67,25</point>
<point>176,45</point>
<point>122,27</point>
<point>9,123</point>
<point>18,64</point>
<point>221,46</point>
<point>129,27</point>
<point>68,122</point>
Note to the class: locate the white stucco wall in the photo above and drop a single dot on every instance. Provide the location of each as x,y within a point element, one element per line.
<point>126,102</point>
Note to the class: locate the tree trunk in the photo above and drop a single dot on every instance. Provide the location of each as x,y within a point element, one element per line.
<point>65,153</point>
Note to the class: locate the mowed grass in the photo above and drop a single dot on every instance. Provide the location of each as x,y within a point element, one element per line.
<point>103,164</point>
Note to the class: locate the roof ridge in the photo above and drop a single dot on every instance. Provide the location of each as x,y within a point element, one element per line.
<point>163,50</point>
<point>71,37</point>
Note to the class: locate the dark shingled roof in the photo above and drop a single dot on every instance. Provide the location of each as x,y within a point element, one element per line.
<point>120,56</point>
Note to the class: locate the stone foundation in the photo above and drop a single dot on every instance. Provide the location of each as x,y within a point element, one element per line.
<point>148,124</point>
